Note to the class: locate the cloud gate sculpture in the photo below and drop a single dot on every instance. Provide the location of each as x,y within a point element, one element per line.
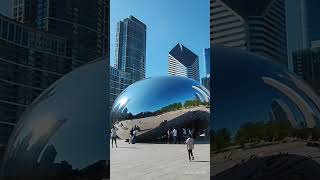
<point>265,120</point>
<point>64,132</point>
<point>154,105</point>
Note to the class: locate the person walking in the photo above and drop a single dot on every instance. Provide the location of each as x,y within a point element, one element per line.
<point>190,146</point>
<point>114,136</point>
<point>175,135</point>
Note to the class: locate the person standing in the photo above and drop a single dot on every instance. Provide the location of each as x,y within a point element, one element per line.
<point>190,146</point>
<point>175,135</point>
<point>114,136</point>
<point>131,135</point>
<point>135,132</point>
<point>184,131</point>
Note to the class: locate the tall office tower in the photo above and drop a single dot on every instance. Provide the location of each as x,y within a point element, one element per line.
<point>211,21</point>
<point>206,80</point>
<point>183,62</point>
<point>312,22</point>
<point>207,61</point>
<point>131,47</point>
<point>256,26</point>
<point>297,36</point>
<point>306,64</point>
<point>24,11</point>
<point>84,24</point>
<point>119,80</point>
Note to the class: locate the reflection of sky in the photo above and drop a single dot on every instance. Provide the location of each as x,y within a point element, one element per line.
<point>239,94</point>
<point>154,93</point>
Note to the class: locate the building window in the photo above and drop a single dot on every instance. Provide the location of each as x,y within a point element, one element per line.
<point>4,29</point>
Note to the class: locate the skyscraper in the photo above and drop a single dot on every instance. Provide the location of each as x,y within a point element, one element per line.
<point>306,64</point>
<point>131,47</point>
<point>206,80</point>
<point>207,61</point>
<point>119,80</point>
<point>256,26</point>
<point>183,62</point>
<point>24,11</point>
<point>84,24</point>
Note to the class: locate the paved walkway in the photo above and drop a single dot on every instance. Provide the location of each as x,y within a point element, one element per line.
<point>159,161</point>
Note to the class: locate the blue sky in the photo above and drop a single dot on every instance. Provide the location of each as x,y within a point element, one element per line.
<point>168,22</point>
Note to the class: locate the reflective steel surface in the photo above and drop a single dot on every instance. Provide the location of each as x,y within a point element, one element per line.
<point>154,105</point>
<point>63,134</point>
<point>265,120</point>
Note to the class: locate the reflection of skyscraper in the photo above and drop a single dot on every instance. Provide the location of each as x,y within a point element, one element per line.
<point>24,11</point>
<point>256,26</point>
<point>207,61</point>
<point>306,64</point>
<point>206,80</point>
<point>52,38</point>
<point>131,47</point>
<point>183,62</point>
<point>303,25</point>
<point>281,112</point>
<point>312,20</point>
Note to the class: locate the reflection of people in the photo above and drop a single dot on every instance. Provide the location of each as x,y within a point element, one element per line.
<point>131,135</point>
<point>190,146</point>
<point>184,131</point>
<point>114,136</point>
<point>175,134</point>
<point>168,134</point>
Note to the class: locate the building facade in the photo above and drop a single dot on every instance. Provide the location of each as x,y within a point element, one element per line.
<point>131,47</point>
<point>183,62</point>
<point>207,61</point>
<point>259,27</point>
<point>119,80</point>
<point>24,11</point>
<point>30,61</point>
<point>306,64</point>
<point>84,24</point>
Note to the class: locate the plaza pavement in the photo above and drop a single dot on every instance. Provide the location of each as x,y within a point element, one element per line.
<point>142,161</point>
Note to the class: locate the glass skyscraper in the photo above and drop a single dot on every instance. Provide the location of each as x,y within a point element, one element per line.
<point>131,47</point>
<point>183,62</point>
<point>207,61</point>
<point>84,24</point>
<point>256,26</point>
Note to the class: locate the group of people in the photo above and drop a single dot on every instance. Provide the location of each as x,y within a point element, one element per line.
<point>132,135</point>
<point>175,135</point>
<point>185,133</point>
